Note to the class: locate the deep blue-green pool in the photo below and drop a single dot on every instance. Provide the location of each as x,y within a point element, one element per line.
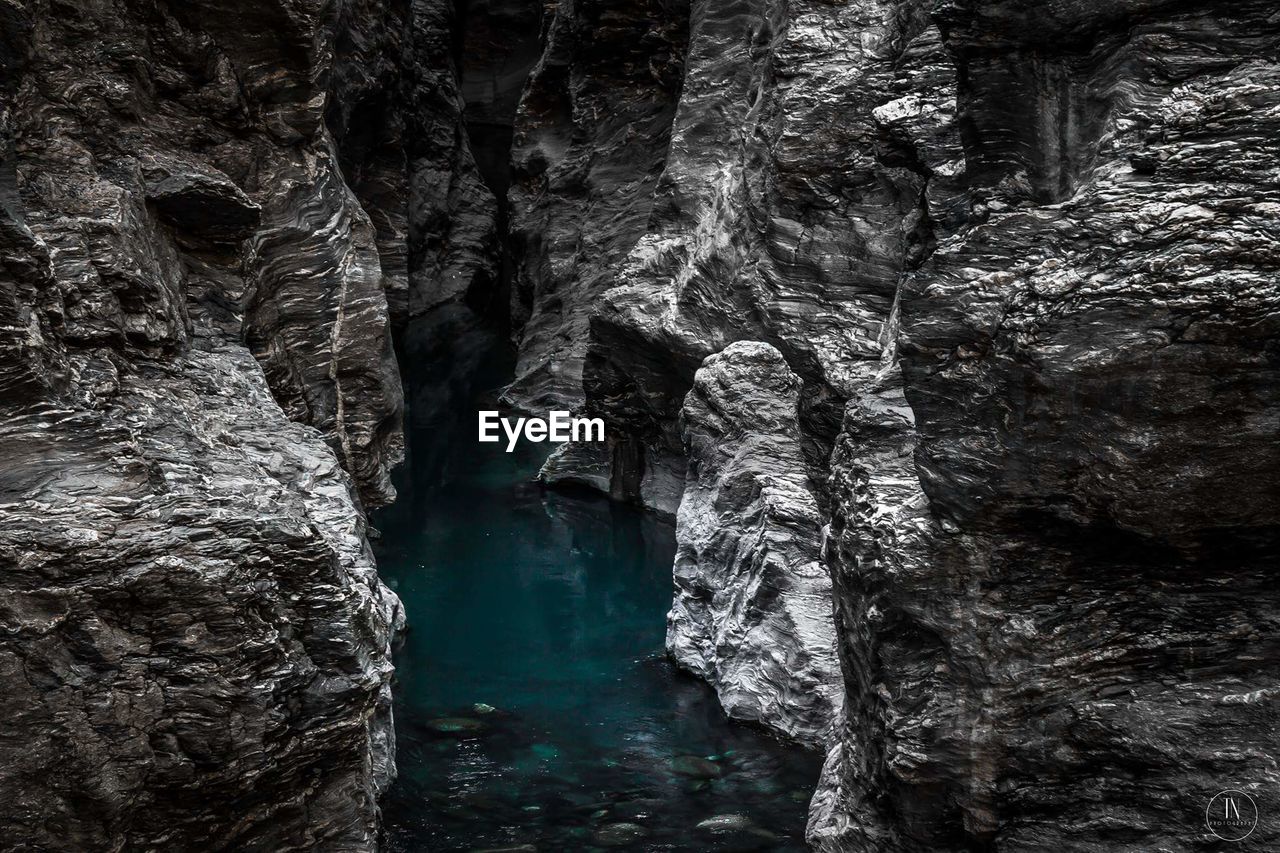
<point>534,707</point>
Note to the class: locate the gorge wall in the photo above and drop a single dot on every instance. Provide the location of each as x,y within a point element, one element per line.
<point>199,399</point>
<point>1007,272</point>
<point>946,331</point>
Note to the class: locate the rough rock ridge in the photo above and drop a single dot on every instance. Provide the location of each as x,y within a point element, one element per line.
<point>590,139</point>
<point>196,641</point>
<point>752,611</point>
<point>967,305</point>
<point>1020,259</point>
<point>1051,632</point>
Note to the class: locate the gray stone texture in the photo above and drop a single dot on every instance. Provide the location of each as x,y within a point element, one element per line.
<point>752,612</point>
<point>946,330</point>
<point>196,644</point>
<point>1020,259</point>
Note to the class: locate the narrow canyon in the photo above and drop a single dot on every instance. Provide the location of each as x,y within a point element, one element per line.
<point>941,336</point>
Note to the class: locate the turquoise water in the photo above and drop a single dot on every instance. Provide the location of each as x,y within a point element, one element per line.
<point>534,707</point>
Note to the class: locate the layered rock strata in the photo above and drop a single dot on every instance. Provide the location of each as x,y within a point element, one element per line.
<point>1051,634</point>
<point>197,643</point>
<point>752,611</point>
<point>983,289</point>
<point>590,140</point>
<point>452,312</point>
<point>1017,258</point>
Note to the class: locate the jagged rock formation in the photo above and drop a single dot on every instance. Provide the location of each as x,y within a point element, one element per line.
<point>984,287</point>
<point>590,140</point>
<point>774,222</point>
<point>752,612</point>
<point>1051,631</point>
<point>197,644</point>
<point>452,234</point>
<point>1018,257</point>
<point>196,637</point>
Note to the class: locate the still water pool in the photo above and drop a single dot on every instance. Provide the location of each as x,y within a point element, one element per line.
<point>534,707</point>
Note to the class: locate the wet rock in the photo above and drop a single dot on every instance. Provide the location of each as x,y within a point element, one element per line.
<point>639,809</point>
<point>339,376</point>
<point>619,834</point>
<point>545,751</point>
<point>696,767</point>
<point>725,823</point>
<point>456,726</point>
<point>752,611</point>
<point>736,832</point>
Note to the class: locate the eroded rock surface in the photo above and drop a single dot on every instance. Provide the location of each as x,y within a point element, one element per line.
<point>1051,632</point>
<point>985,289</point>
<point>752,611</point>
<point>196,641</point>
<point>590,141</point>
<point>1019,259</point>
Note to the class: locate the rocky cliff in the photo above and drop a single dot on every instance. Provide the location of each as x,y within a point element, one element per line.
<point>946,329</point>
<point>1017,262</point>
<point>203,212</point>
<point>752,611</point>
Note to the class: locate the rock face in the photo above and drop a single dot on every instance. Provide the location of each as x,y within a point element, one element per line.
<point>752,612</point>
<point>948,330</point>
<point>196,641</point>
<point>196,647</point>
<point>1050,632</point>
<point>1019,261</point>
<point>774,222</point>
<point>590,141</point>
<point>443,319</point>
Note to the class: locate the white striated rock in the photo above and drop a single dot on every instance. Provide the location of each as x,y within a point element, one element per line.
<point>752,612</point>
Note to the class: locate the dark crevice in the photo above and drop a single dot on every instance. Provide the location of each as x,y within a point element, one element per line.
<point>497,44</point>
<point>454,342</point>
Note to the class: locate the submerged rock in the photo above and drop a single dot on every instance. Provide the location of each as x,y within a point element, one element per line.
<point>619,834</point>
<point>736,832</point>
<point>639,809</point>
<point>725,823</point>
<point>696,767</point>
<point>456,726</point>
